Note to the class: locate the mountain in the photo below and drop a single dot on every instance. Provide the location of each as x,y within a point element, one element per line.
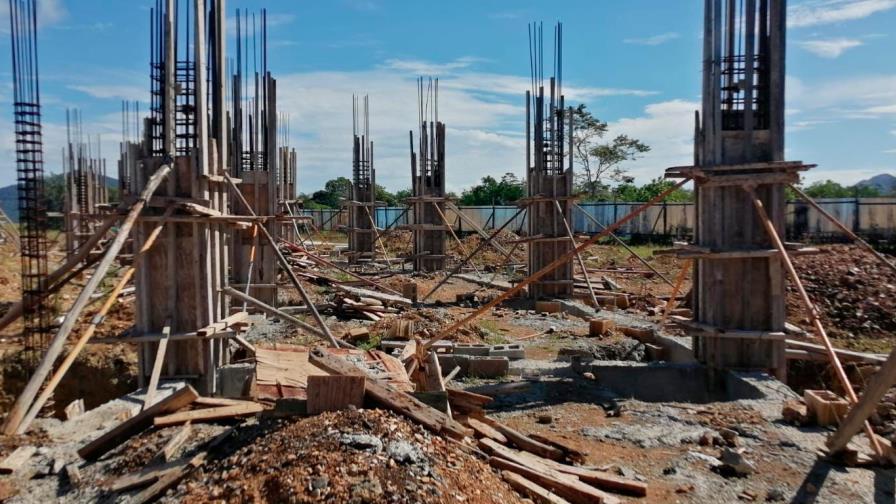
<point>885,183</point>
<point>53,187</point>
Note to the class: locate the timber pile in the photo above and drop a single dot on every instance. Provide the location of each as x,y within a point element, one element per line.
<point>538,466</point>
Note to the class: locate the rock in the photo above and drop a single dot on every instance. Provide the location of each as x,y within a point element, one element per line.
<point>368,491</point>
<point>775,495</point>
<point>729,436</point>
<point>736,462</point>
<point>702,457</point>
<point>794,412</point>
<point>405,453</point>
<point>320,482</point>
<point>670,470</point>
<point>588,376</point>
<point>545,419</point>
<point>363,442</point>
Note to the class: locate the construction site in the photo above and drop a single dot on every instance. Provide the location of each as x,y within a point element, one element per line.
<point>199,336</point>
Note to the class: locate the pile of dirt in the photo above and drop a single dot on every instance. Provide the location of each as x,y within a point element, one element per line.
<point>855,293</point>
<point>349,456</point>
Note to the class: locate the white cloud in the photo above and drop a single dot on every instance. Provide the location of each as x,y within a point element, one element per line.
<point>861,96</point>
<point>114,91</point>
<point>831,48</point>
<point>882,109</point>
<point>668,128</point>
<point>819,12</point>
<point>49,12</point>
<point>654,40</point>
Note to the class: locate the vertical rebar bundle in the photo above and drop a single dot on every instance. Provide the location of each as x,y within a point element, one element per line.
<point>84,173</point>
<point>361,230</point>
<point>549,173</point>
<point>30,173</point>
<point>428,180</point>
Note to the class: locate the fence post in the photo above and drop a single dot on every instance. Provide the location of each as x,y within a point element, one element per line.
<point>855,223</point>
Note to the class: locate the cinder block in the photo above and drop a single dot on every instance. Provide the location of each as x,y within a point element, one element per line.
<point>233,379</point>
<point>451,361</point>
<point>547,306</point>
<point>513,351</point>
<point>600,327</point>
<point>488,367</point>
<point>472,349</point>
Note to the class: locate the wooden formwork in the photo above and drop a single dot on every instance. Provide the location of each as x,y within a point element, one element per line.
<point>546,223</point>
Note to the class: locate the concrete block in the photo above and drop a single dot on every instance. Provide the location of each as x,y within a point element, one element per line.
<point>233,379</point>
<point>600,327</point>
<point>488,367</point>
<point>513,351</point>
<point>472,349</point>
<point>547,306</point>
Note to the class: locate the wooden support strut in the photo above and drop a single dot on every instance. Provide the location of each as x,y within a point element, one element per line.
<point>87,334</point>
<point>813,311</point>
<point>572,241</point>
<point>481,246</point>
<point>284,264</point>
<point>670,304</point>
<point>14,418</point>
<point>560,261</point>
<point>848,232</point>
<point>460,244</point>
<point>270,310</point>
<point>623,244</point>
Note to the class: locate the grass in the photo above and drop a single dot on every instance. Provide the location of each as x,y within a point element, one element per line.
<point>372,342</point>
<point>492,333</point>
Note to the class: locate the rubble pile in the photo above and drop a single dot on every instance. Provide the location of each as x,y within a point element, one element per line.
<point>348,456</point>
<point>855,293</point>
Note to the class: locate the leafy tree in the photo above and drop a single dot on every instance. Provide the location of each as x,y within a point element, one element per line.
<point>403,194</point>
<point>493,192</point>
<point>598,162</point>
<point>831,189</point>
<point>334,190</point>
<point>630,192</point>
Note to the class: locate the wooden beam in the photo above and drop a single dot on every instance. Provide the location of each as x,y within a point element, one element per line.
<point>208,414</point>
<point>121,432</point>
<point>813,311</point>
<point>23,402</point>
<point>531,490</point>
<point>157,365</point>
<point>877,387</point>
<point>568,487</point>
<point>270,310</point>
<point>572,241</point>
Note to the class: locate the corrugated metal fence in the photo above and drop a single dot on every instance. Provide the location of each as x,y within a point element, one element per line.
<point>874,217</point>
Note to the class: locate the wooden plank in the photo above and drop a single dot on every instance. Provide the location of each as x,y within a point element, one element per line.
<point>568,487</point>
<point>175,442</point>
<point>846,355</point>
<point>485,430</point>
<point>157,365</point>
<point>524,442</point>
<point>219,401</point>
<point>141,479</point>
<point>208,414</point>
<point>385,298</point>
<point>537,493</point>
<point>18,458</point>
<point>334,393</point>
<point>878,386</point>
<point>572,453</point>
<point>121,432</point>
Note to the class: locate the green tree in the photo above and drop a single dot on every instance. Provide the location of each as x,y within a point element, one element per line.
<point>493,192</point>
<point>334,190</point>
<point>831,189</point>
<point>403,194</point>
<point>630,192</point>
<point>597,161</point>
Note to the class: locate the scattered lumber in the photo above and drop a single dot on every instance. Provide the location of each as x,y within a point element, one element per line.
<point>388,397</point>
<point>529,489</point>
<point>142,478</point>
<point>846,355</point>
<point>334,392</point>
<point>485,430</point>
<point>467,402</point>
<point>568,487</point>
<point>524,442</point>
<point>142,420</point>
<point>572,453</point>
<point>386,299</point>
<point>176,441</point>
<point>18,458</point>
<point>218,401</point>
<point>209,414</point>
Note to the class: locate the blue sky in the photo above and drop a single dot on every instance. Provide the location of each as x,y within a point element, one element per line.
<point>636,63</point>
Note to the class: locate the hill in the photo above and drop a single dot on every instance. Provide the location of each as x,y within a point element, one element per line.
<point>53,184</point>
<point>885,183</point>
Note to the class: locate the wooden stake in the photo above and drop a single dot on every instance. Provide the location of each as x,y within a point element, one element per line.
<point>552,266</point>
<point>157,365</point>
<point>23,403</point>
<point>670,304</point>
<point>813,311</point>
